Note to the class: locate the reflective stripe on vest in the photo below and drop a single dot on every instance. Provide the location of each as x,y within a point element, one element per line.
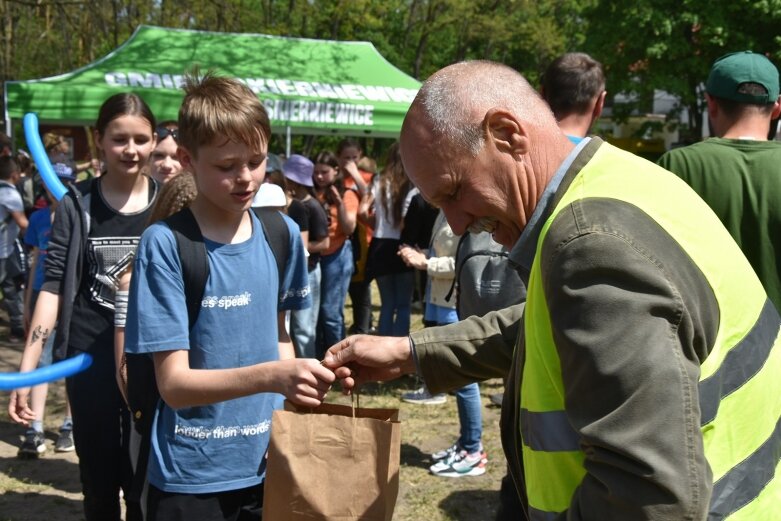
<point>740,381</point>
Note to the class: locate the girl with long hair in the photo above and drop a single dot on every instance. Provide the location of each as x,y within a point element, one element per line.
<point>336,262</point>
<point>391,195</point>
<point>94,236</point>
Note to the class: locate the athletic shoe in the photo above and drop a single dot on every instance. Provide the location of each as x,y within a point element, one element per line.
<point>445,453</point>
<point>461,464</point>
<point>64,441</point>
<point>34,445</point>
<point>497,398</point>
<point>448,452</point>
<point>423,397</point>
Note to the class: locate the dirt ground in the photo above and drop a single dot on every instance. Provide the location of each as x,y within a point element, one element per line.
<point>48,489</point>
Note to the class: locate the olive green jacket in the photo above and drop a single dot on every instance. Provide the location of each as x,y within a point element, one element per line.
<point>632,319</point>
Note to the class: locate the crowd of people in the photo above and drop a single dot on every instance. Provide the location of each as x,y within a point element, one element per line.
<point>630,308</point>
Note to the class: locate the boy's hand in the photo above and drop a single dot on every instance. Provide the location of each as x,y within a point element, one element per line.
<point>18,408</point>
<point>304,381</point>
<point>368,358</point>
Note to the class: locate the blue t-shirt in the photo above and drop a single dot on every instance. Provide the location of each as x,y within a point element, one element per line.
<point>37,236</point>
<point>218,447</point>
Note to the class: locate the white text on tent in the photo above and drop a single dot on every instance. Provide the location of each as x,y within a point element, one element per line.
<point>304,89</point>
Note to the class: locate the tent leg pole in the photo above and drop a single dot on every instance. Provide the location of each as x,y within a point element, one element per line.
<point>287,141</point>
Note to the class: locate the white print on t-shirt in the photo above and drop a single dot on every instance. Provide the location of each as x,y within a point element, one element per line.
<point>107,258</point>
<point>227,301</point>
<point>221,432</point>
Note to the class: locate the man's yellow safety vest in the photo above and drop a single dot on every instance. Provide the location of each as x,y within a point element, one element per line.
<point>740,381</point>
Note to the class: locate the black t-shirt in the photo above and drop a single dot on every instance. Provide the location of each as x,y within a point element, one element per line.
<point>310,217</point>
<point>111,244</point>
<point>298,212</point>
<point>419,222</point>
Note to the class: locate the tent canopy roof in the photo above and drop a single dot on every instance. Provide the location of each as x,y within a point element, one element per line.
<point>311,86</point>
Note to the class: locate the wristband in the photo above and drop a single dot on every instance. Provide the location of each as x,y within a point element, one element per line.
<point>120,308</point>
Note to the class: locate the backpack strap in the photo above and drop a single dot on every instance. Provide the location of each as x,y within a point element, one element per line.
<point>278,236</point>
<point>459,265</point>
<point>193,257</point>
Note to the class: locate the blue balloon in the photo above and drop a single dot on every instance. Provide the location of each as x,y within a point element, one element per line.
<point>53,182</point>
<point>71,366</point>
<point>76,364</point>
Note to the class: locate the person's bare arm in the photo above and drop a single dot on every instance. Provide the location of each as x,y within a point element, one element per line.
<point>28,290</point>
<point>302,381</point>
<point>347,217</point>
<point>352,170</point>
<point>119,337</point>
<point>21,220</point>
<point>286,349</point>
<point>365,210</point>
<point>41,327</point>
<point>319,246</point>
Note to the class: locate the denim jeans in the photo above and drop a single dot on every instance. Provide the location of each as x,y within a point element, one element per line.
<point>395,302</point>
<point>303,322</point>
<point>337,269</point>
<point>470,416</point>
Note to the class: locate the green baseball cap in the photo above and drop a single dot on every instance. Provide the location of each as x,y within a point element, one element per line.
<point>731,70</point>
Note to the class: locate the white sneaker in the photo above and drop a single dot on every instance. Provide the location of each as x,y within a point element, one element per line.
<point>461,464</point>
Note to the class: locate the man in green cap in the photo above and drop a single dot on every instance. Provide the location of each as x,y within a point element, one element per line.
<point>738,173</point>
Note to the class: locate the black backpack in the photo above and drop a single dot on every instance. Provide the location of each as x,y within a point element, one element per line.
<point>485,280</point>
<point>143,395</point>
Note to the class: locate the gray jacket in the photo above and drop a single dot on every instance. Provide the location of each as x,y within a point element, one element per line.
<point>65,257</point>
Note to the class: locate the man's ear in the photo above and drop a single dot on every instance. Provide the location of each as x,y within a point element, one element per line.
<point>598,106</point>
<point>506,132</point>
<point>185,158</point>
<point>776,109</point>
<point>713,106</point>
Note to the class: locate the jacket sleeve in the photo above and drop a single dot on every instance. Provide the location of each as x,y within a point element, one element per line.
<point>65,219</point>
<point>472,350</point>
<point>441,267</point>
<point>630,378</point>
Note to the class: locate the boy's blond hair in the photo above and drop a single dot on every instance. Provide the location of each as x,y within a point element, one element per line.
<point>217,107</point>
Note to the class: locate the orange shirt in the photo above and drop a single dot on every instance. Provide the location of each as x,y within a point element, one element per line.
<point>350,201</point>
<point>349,182</point>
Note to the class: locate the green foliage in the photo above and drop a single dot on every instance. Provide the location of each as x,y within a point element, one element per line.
<point>670,44</point>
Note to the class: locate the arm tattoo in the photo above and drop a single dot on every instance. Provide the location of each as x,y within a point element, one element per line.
<point>41,333</point>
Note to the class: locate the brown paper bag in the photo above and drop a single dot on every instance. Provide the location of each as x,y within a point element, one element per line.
<point>328,464</point>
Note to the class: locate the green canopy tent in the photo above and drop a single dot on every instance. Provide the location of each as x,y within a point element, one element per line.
<point>307,86</point>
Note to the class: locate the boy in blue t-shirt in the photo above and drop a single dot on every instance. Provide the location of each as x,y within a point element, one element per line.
<point>220,381</point>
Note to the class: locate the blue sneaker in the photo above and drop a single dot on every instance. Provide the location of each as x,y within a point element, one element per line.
<point>34,445</point>
<point>423,397</point>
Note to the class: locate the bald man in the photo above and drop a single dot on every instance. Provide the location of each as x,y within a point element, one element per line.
<point>643,383</point>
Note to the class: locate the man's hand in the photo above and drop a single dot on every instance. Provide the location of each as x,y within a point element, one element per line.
<point>304,381</point>
<point>18,408</point>
<point>365,358</point>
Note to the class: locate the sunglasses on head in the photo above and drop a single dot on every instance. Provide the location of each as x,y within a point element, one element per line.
<point>164,132</point>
